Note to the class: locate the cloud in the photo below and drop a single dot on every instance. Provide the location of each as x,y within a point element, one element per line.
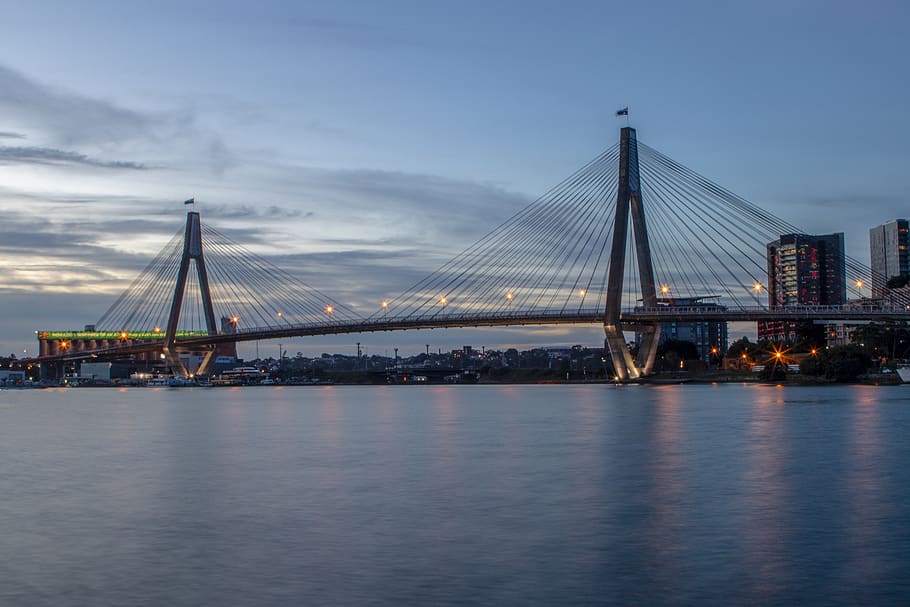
<point>11,135</point>
<point>39,155</point>
<point>73,118</point>
<point>249,211</point>
<point>64,119</point>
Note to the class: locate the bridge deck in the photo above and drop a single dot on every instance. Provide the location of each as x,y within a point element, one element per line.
<point>630,319</point>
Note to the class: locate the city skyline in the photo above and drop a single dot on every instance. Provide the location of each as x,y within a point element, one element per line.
<point>364,144</point>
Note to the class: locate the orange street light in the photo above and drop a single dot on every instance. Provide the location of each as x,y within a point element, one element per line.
<point>329,309</point>
<point>582,292</point>
<point>664,289</point>
<point>509,296</point>
<point>757,287</point>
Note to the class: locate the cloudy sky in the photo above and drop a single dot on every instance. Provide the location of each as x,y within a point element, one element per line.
<point>379,138</point>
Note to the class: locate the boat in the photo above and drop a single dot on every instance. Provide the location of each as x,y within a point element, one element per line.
<point>157,382</point>
<point>179,382</point>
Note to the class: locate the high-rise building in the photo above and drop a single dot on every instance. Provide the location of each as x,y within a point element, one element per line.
<point>889,253</point>
<point>804,269</point>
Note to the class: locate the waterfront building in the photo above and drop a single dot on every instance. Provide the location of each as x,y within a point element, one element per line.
<point>803,269</point>
<point>889,255</point>
<point>709,337</point>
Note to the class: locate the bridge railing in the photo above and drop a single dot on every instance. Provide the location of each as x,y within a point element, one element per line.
<point>440,318</point>
<point>872,309</point>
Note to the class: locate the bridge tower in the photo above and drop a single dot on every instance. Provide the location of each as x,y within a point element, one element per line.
<point>192,250</point>
<point>628,200</point>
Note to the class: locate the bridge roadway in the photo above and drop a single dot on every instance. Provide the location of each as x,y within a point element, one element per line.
<point>630,318</point>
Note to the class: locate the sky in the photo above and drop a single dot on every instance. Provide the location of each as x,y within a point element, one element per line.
<point>366,142</point>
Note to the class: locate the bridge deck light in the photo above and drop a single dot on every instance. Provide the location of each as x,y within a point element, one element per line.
<point>123,335</point>
<point>280,314</point>
<point>859,284</point>
<point>329,309</point>
<point>443,300</point>
<point>234,319</point>
<point>385,305</point>
<point>664,289</point>
<point>509,296</point>
<point>757,287</point>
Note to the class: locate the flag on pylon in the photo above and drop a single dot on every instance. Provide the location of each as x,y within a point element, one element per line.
<point>623,112</point>
<point>190,201</point>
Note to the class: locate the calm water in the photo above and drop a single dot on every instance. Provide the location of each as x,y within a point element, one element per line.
<point>460,495</point>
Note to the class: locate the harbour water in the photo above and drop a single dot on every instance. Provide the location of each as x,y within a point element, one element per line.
<point>456,495</point>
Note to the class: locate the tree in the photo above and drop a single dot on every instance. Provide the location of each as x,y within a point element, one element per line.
<point>808,335</point>
<point>839,364</point>
<point>685,350</point>
<point>845,363</point>
<point>888,339</point>
<point>774,371</point>
<point>673,352</point>
<point>811,365</point>
<point>741,346</point>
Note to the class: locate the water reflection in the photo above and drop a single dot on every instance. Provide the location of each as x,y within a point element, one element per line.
<point>867,508</point>
<point>546,495</point>
<point>762,503</point>
<point>667,475</point>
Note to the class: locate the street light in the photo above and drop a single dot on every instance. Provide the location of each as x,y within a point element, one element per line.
<point>664,289</point>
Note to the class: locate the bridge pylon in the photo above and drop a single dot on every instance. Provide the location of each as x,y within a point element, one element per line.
<point>629,201</point>
<point>192,250</point>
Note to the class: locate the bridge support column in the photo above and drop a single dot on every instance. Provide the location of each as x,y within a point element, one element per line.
<point>192,250</point>
<point>206,364</point>
<point>629,202</point>
<point>615,344</point>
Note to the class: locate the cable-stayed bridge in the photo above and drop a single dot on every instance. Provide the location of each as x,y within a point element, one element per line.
<point>696,251</point>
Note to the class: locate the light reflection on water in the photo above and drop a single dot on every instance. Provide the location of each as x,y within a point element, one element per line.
<point>456,495</point>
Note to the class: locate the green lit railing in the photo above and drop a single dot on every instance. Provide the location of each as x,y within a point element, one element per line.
<point>114,334</point>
